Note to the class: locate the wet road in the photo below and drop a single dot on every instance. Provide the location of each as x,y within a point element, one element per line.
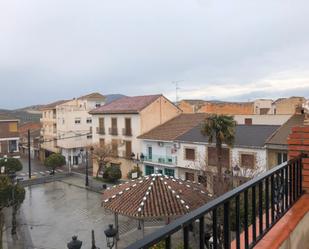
<point>55,211</point>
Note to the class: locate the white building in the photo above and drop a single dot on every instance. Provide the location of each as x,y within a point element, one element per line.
<point>74,125</point>
<point>178,148</point>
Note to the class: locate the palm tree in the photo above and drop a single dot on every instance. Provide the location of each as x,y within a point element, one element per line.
<point>221,130</point>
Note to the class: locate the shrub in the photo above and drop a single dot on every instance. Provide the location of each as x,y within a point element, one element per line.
<point>135,170</point>
<point>12,165</point>
<point>112,173</point>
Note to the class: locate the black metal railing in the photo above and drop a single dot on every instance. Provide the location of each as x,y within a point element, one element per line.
<point>240,217</point>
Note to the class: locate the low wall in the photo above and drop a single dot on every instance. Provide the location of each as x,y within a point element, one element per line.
<point>299,237</point>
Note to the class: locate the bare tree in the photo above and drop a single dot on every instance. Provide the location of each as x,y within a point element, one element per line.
<point>103,155</point>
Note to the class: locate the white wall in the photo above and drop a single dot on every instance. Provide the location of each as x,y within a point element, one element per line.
<point>260,157</point>
<point>67,113</point>
<point>263,119</point>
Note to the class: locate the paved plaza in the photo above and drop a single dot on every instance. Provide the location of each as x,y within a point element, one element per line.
<point>53,212</point>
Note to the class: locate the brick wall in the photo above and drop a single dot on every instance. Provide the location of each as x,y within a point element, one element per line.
<point>298,142</point>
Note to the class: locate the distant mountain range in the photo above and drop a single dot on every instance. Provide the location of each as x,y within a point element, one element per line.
<point>32,113</point>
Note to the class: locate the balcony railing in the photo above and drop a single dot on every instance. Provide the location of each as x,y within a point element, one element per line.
<point>252,208</point>
<point>101,130</point>
<point>127,132</point>
<point>113,131</point>
<point>170,160</point>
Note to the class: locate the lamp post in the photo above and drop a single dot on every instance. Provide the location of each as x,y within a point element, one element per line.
<point>236,169</point>
<point>87,164</point>
<point>110,234</point>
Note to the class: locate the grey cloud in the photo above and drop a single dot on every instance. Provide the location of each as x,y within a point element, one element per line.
<point>57,49</point>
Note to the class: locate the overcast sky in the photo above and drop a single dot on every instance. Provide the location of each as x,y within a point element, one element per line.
<point>217,49</point>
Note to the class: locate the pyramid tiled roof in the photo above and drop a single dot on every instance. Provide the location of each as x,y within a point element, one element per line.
<point>155,196</point>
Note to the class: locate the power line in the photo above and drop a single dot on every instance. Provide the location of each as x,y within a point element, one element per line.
<point>56,139</point>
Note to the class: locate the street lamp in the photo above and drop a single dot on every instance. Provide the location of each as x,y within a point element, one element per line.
<point>110,234</point>
<point>75,243</point>
<point>86,175</point>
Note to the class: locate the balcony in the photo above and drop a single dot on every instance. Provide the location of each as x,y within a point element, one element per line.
<point>242,217</point>
<point>101,130</point>
<point>113,131</point>
<point>169,160</point>
<point>127,132</point>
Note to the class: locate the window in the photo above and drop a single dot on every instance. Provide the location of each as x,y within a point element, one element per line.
<point>189,154</point>
<point>247,161</point>
<point>212,157</point>
<point>77,120</point>
<point>128,149</point>
<point>89,136</point>
<point>12,145</point>
<point>97,105</point>
<point>248,121</point>
<point>115,148</point>
<point>202,180</point>
<point>127,129</point>
<point>149,152</point>
<point>13,127</point>
<point>89,121</point>
<point>189,176</point>
<point>149,170</point>
<point>282,157</point>
<point>169,172</point>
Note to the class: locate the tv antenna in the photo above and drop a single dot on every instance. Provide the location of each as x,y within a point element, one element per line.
<point>175,82</point>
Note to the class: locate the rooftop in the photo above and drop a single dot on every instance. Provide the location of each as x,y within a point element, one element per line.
<point>155,196</point>
<point>126,105</point>
<point>245,135</point>
<point>53,104</point>
<point>175,127</point>
<point>5,117</point>
<point>281,135</point>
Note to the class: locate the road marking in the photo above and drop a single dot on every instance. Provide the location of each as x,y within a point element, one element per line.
<point>47,171</point>
<point>60,170</point>
<point>41,172</point>
<point>22,174</point>
<point>35,173</point>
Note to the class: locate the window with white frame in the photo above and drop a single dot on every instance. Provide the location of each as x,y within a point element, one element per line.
<point>89,120</point>
<point>77,120</point>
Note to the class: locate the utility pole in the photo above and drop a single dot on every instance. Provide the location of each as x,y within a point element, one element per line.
<point>29,155</point>
<point>176,88</point>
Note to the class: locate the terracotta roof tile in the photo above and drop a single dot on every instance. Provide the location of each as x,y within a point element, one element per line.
<point>175,127</point>
<point>126,105</point>
<point>155,196</point>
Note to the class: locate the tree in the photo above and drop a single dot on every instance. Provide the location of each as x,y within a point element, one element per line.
<point>112,173</point>
<point>12,165</point>
<point>102,154</point>
<point>18,196</point>
<point>10,195</point>
<point>54,161</point>
<point>221,130</point>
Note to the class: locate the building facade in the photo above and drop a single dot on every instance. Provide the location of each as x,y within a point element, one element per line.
<point>49,129</point>
<point>122,121</point>
<point>9,137</point>
<point>178,148</point>
<point>74,125</point>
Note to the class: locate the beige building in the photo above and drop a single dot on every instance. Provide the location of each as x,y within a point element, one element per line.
<point>120,123</point>
<point>74,124</point>
<point>290,105</point>
<point>49,129</point>
<point>277,144</point>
